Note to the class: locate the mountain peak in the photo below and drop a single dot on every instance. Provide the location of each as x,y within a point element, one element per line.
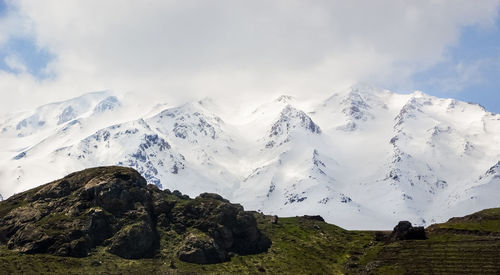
<point>418,94</point>
<point>188,147</point>
<point>495,169</point>
<point>362,88</point>
<point>291,120</point>
<point>284,99</point>
<point>57,113</point>
<point>107,104</point>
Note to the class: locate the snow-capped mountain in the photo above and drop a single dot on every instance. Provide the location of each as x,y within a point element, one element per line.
<point>362,158</point>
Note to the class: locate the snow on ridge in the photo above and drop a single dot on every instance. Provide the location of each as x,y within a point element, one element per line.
<point>363,158</point>
<point>57,113</point>
<point>290,120</point>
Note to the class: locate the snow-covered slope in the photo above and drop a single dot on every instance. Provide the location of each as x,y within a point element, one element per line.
<point>362,158</point>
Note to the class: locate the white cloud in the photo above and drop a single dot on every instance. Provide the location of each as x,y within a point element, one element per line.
<point>255,48</point>
<point>15,64</point>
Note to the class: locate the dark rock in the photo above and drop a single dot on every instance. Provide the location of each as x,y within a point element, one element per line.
<point>179,228</point>
<point>99,226</point>
<point>78,248</point>
<point>417,233</point>
<point>56,191</point>
<point>115,208</point>
<point>314,218</point>
<point>134,241</point>
<point>30,240</point>
<point>231,228</point>
<point>177,193</point>
<point>201,249</point>
<point>71,216</point>
<point>212,196</point>
<point>405,231</point>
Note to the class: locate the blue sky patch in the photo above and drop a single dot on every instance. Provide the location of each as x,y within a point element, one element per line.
<point>25,51</point>
<point>3,8</point>
<point>471,71</point>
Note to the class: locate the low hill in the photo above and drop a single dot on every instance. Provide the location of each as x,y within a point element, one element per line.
<point>108,220</point>
<point>463,245</point>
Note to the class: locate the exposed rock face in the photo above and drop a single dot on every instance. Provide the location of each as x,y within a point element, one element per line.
<point>69,217</point>
<point>405,231</point>
<point>134,241</point>
<point>226,224</point>
<point>202,250</point>
<point>114,207</point>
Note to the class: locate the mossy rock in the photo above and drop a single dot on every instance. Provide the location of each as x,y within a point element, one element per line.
<point>201,249</point>
<point>134,241</point>
<point>113,207</point>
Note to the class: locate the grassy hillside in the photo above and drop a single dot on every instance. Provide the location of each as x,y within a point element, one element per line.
<point>300,246</point>
<point>85,216</point>
<point>304,246</point>
<point>467,245</point>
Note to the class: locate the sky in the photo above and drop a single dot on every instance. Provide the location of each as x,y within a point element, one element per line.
<point>177,50</point>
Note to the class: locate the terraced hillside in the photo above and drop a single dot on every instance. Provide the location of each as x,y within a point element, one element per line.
<point>82,225</point>
<point>467,245</point>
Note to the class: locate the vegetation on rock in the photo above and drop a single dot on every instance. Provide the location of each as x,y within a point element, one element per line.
<point>108,220</point>
<point>114,207</point>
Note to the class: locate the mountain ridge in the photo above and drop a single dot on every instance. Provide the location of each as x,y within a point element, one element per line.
<point>362,158</point>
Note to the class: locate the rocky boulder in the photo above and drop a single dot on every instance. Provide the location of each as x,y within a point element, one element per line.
<point>115,208</point>
<point>71,216</point>
<point>405,231</point>
<point>134,241</point>
<point>229,227</point>
<point>201,249</point>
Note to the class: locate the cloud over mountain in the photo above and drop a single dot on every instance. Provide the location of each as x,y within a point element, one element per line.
<point>224,48</point>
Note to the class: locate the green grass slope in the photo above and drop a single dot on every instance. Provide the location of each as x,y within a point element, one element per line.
<point>300,246</point>
<point>467,245</point>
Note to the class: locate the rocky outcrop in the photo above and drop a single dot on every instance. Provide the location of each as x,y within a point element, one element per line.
<point>405,231</point>
<point>226,225</point>
<point>114,207</point>
<point>201,249</point>
<point>134,241</point>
